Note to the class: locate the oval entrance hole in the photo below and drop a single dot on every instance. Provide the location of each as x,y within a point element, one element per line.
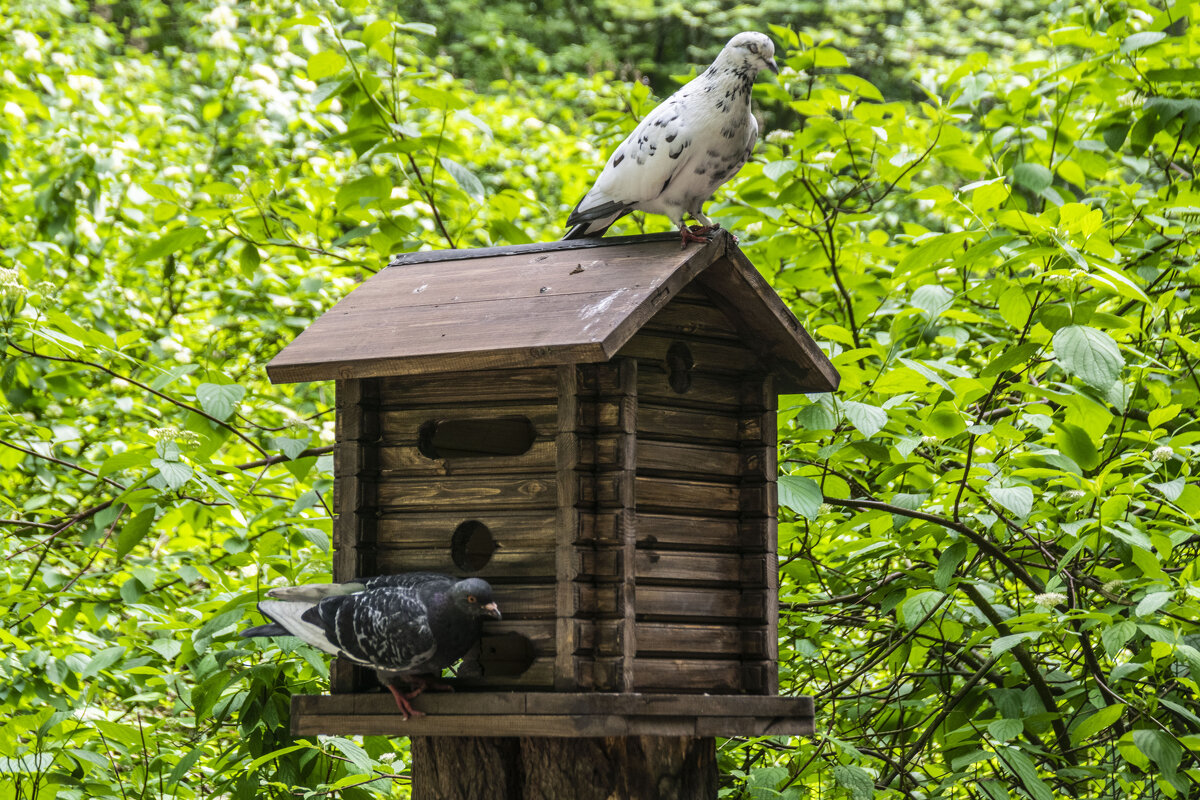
<point>474,438</point>
<point>472,545</point>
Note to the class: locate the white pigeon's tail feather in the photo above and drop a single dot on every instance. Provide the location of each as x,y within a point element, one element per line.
<point>289,616</point>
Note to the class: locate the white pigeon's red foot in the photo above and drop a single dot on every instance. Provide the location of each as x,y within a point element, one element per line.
<point>696,233</point>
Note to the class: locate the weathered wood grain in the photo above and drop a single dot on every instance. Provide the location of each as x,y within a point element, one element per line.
<point>708,356</point>
<point>683,496</point>
<point>553,714</point>
<point>480,386</point>
<point>734,283</point>
<point>699,569</point>
<point>668,423</point>
<point>504,565</point>
<point>671,603</point>
<point>402,426</point>
<point>469,494</point>
<point>408,461</point>
<point>519,529</point>
<point>686,530</point>
<point>567,668</point>
<point>516,310</point>
<point>679,459</point>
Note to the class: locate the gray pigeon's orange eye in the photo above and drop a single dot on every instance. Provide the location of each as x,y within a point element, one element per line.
<point>471,598</point>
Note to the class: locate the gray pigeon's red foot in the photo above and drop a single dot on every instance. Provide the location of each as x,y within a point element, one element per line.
<point>402,702</point>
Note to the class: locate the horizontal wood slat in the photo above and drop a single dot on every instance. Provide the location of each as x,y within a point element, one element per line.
<point>662,603</point>
<point>516,529</point>
<point>555,714</point>
<point>468,493</point>
<point>482,386</point>
<point>408,461</point>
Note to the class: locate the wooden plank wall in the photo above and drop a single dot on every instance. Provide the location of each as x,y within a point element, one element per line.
<point>355,524</point>
<point>605,544</point>
<point>423,500</point>
<point>705,565</point>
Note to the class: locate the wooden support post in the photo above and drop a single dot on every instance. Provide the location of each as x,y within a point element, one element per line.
<point>527,768</point>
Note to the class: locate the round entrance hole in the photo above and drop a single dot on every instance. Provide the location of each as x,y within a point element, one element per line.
<point>472,545</point>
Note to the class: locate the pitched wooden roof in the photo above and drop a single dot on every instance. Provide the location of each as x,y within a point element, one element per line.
<point>550,303</point>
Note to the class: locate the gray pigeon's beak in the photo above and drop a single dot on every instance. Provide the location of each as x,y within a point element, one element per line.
<point>771,65</point>
<point>491,610</point>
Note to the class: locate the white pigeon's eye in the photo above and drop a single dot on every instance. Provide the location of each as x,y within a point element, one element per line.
<point>752,47</point>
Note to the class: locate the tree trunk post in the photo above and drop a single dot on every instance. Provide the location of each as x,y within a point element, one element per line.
<point>543,768</point>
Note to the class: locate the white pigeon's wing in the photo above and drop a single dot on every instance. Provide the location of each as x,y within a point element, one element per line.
<point>641,167</point>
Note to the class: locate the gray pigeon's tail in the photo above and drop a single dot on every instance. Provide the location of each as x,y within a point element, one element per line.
<point>274,629</point>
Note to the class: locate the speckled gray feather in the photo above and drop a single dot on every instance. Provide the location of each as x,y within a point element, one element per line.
<point>684,149</point>
<point>400,625</point>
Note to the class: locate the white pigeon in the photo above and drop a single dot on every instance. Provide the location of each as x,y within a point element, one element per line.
<point>684,149</point>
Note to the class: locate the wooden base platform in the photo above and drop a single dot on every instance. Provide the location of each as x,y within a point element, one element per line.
<point>554,714</point>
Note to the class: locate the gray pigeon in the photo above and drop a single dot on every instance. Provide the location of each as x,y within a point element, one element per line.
<point>684,149</point>
<point>400,625</point>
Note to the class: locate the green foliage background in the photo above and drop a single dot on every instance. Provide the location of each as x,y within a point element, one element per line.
<point>987,213</point>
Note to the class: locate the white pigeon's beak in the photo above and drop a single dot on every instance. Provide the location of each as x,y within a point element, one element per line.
<point>491,610</point>
<point>771,65</point>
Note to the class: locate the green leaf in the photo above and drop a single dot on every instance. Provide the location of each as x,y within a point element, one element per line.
<point>1095,723</point>
<point>1075,444</point>
<point>1115,636</point>
<point>1002,644</point>
<point>102,660</point>
<point>465,179</point>
<point>1023,768</point>
<point>1160,748</point>
<point>186,763</point>
<point>1004,729</point>
<point>1152,602</point>
<point>868,419</point>
<point>1139,40</point>
<point>951,557</point>
<point>1016,499</point>
<point>173,242</point>
<point>1089,354</point>
<point>325,63</point>
<point>1171,489</point>
<point>801,495</point>
<point>934,300</point>
<point>856,779</point>
<point>219,399</point>
<point>1009,358</point>
<point>134,531</point>
<point>1033,177</point>
<point>175,473</point>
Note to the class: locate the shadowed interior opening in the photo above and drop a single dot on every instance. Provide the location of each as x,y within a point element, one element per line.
<point>472,545</point>
<point>505,655</point>
<point>679,367</point>
<point>467,438</point>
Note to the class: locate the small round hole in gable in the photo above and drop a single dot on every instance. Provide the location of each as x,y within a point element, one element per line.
<point>679,367</point>
<point>472,545</point>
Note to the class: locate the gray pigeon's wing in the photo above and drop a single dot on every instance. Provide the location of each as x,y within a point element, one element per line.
<point>641,167</point>
<point>386,628</point>
<point>408,580</point>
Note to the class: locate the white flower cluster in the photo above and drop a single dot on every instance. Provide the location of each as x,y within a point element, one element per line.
<point>1050,599</point>
<point>10,283</point>
<point>173,434</point>
<point>1162,453</point>
<point>29,44</point>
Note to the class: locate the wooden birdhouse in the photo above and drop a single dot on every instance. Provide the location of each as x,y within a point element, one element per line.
<point>589,425</point>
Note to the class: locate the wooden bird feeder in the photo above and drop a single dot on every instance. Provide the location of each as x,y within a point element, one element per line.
<point>589,425</point>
